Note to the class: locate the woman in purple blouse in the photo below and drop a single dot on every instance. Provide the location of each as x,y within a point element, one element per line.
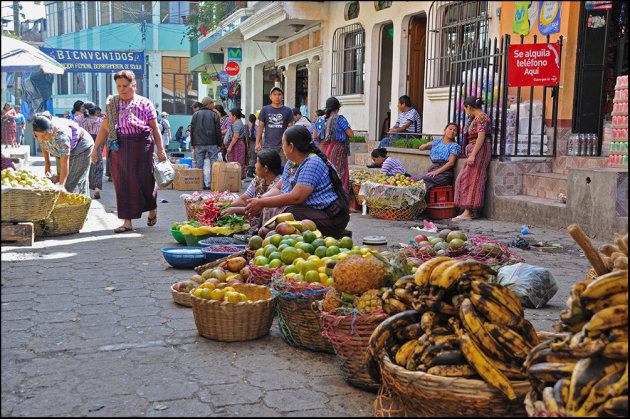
<point>130,125</point>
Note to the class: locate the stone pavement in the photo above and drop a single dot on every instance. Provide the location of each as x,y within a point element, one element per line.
<point>69,347</point>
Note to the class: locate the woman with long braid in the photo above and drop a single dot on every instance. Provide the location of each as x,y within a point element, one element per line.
<point>310,187</point>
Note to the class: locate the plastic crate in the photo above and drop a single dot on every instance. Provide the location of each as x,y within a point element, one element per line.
<point>439,211</point>
<point>441,194</point>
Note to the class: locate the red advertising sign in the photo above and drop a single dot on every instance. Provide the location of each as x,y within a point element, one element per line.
<point>534,65</point>
<point>232,68</point>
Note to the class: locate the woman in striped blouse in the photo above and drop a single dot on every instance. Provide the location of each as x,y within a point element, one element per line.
<point>130,126</point>
<point>389,165</point>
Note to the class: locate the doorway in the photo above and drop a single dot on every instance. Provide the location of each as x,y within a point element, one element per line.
<point>415,69</point>
<point>301,89</point>
<point>384,83</point>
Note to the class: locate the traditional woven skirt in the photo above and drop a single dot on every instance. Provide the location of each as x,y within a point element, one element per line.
<point>132,173</point>
<point>442,179</point>
<point>336,153</point>
<point>471,181</point>
<point>238,155</point>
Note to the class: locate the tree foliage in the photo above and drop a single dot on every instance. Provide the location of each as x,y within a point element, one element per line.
<point>204,18</point>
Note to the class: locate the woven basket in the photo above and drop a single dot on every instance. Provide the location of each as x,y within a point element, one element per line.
<point>360,198</point>
<point>391,213</point>
<point>202,268</point>
<point>349,336</point>
<point>28,205</point>
<point>299,323</point>
<point>259,275</point>
<point>182,298</point>
<point>231,322</point>
<point>422,394</point>
<point>64,219</point>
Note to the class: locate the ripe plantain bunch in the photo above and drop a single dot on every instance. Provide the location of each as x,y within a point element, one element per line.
<point>616,255</point>
<point>586,373</point>
<point>461,325</point>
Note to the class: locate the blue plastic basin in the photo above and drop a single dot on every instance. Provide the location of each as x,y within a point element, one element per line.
<point>183,257</point>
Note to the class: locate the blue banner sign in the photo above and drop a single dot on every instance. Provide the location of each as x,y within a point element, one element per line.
<point>82,61</point>
<point>223,76</point>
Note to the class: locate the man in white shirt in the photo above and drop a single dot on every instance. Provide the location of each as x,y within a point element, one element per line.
<point>165,129</point>
<point>300,119</point>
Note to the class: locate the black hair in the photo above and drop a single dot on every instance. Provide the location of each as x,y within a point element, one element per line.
<point>42,122</point>
<point>379,152</point>
<point>197,105</point>
<point>296,111</point>
<point>473,101</point>
<point>98,109</point>
<point>252,118</point>
<point>220,109</point>
<point>237,112</point>
<point>456,129</point>
<point>332,104</point>
<point>405,100</point>
<point>77,106</point>
<point>300,137</point>
<point>89,108</point>
<point>319,112</point>
<point>270,158</point>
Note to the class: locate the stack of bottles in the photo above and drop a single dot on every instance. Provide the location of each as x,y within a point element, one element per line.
<point>583,145</point>
<point>618,154</point>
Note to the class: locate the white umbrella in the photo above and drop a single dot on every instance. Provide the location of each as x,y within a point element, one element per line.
<point>20,56</point>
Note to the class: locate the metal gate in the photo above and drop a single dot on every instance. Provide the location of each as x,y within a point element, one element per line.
<point>483,72</point>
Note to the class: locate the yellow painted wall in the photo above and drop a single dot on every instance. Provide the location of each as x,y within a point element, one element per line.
<point>569,18</point>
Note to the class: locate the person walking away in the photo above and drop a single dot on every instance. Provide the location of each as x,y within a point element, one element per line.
<point>268,171</point>
<point>8,126</point>
<point>444,152</point>
<point>225,122</point>
<point>310,187</point>
<point>234,139</point>
<point>129,127</point>
<point>471,182</point>
<point>318,129</point>
<point>251,145</point>
<point>179,137</point>
<point>71,146</point>
<point>273,121</point>
<point>338,132</point>
<point>165,130</point>
<point>20,126</point>
<point>300,119</point>
<point>390,166</point>
<point>408,122</point>
<point>92,124</point>
<point>205,136</point>
<point>77,109</point>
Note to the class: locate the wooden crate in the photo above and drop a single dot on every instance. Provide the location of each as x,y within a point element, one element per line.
<point>18,234</point>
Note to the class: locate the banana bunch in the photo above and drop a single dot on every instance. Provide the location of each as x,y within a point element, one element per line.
<point>586,372</point>
<point>616,255</point>
<point>400,297</point>
<point>461,325</point>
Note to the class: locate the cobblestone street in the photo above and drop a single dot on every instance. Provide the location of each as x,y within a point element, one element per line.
<point>70,347</point>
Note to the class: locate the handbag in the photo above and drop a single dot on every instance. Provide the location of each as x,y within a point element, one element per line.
<point>164,173</point>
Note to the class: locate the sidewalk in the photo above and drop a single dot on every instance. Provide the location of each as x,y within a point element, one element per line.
<point>69,347</point>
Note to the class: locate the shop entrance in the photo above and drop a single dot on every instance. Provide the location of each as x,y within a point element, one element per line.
<point>602,56</point>
<point>415,69</point>
<point>384,84</point>
<point>270,75</point>
<point>301,89</point>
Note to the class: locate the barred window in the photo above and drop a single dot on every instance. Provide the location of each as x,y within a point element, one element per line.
<point>348,60</point>
<point>179,87</point>
<point>380,5</point>
<point>453,26</point>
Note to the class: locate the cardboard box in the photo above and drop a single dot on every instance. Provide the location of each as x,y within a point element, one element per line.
<point>168,187</point>
<point>188,180</point>
<point>226,176</point>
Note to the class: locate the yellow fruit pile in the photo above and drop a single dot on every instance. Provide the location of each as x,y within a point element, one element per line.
<point>203,230</point>
<point>24,179</point>
<point>71,200</point>
<point>208,291</point>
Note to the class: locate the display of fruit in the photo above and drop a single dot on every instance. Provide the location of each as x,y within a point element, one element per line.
<point>586,372</point>
<point>23,178</point>
<point>396,180</point>
<point>449,320</point>
<point>356,274</point>
<point>369,301</point>
<point>227,294</point>
<point>219,231</point>
<point>193,223</point>
<point>185,286</point>
<point>71,199</point>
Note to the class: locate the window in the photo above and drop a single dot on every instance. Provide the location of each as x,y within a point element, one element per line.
<point>60,19</point>
<point>148,11</point>
<point>118,12</point>
<point>179,87</point>
<point>453,26</point>
<point>174,11</point>
<point>105,13</point>
<point>78,16</point>
<point>380,5</point>
<point>91,12</point>
<point>348,60</point>
<point>62,84</point>
<point>78,83</point>
<point>352,10</point>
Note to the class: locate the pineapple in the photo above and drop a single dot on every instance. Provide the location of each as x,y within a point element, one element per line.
<point>332,300</point>
<point>369,301</point>
<point>356,274</point>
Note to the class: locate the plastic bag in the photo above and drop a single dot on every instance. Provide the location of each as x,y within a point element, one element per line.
<point>164,173</point>
<point>533,285</point>
<point>207,172</point>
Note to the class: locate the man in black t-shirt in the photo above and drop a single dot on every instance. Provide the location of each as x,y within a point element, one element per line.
<point>274,120</point>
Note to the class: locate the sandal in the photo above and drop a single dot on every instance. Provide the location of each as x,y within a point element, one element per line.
<point>123,229</point>
<point>97,195</point>
<point>460,218</point>
<point>151,221</point>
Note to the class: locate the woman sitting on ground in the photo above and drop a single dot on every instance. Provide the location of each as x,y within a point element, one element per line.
<point>310,186</point>
<point>444,152</point>
<point>389,165</point>
<point>268,170</point>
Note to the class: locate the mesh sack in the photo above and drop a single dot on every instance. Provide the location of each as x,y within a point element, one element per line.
<point>394,202</point>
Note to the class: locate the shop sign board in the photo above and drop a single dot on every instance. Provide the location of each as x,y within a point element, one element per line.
<point>235,54</point>
<point>232,68</point>
<point>223,76</point>
<point>534,65</point>
<point>82,61</point>
<point>549,17</point>
<point>205,78</point>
